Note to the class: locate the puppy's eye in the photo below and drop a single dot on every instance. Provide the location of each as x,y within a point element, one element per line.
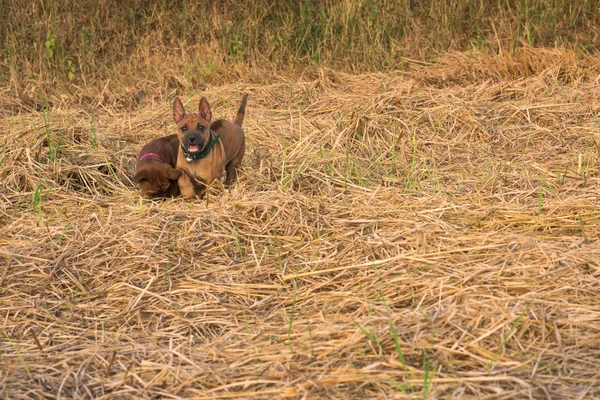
<point>184,128</point>
<point>200,128</point>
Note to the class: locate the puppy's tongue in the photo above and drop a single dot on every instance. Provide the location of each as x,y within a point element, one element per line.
<point>193,148</point>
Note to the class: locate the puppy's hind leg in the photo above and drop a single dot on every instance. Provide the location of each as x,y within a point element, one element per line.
<point>233,165</point>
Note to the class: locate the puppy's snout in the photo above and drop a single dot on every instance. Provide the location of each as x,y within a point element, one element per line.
<point>193,138</point>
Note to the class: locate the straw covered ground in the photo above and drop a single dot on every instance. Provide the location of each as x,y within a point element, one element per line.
<point>428,233</point>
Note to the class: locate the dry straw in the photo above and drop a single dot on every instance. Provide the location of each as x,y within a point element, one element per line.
<point>424,234</point>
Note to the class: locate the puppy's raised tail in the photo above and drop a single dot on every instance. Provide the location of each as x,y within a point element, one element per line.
<point>239,118</point>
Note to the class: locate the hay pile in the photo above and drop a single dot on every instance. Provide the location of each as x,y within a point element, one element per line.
<point>425,233</point>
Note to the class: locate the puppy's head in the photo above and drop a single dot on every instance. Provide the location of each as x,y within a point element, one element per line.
<point>155,179</point>
<point>193,130</point>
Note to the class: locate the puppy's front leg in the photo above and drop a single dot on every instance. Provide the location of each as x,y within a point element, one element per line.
<point>186,187</point>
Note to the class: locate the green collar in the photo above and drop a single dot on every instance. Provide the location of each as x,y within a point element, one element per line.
<point>193,157</point>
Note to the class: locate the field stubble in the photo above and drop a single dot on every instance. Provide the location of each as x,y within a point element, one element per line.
<point>431,233</point>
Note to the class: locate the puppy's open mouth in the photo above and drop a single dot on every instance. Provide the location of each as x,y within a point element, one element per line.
<point>193,148</point>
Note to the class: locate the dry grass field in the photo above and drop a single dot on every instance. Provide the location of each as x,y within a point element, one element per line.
<point>428,233</point>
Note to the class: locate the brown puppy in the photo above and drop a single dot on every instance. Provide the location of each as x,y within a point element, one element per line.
<point>207,148</point>
<point>155,170</point>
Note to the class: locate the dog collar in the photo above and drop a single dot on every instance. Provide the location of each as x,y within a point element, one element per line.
<point>155,155</point>
<point>193,157</point>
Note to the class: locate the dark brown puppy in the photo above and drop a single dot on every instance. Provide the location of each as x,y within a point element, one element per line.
<point>155,170</point>
<point>207,148</point>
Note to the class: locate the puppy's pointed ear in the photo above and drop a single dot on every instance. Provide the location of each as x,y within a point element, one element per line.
<point>178,110</point>
<point>204,109</point>
<point>173,173</point>
<point>140,176</point>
